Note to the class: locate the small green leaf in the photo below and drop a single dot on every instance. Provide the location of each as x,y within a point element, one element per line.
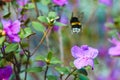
<point>52,15</point>
<point>25,32</point>
<point>49,56</point>
<point>42,19</point>
<point>35,69</point>
<point>12,77</point>
<point>38,26</point>
<point>83,77</point>
<point>55,60</point>
<point>71,64</point>
<point>45,2</point>
<point>51,77</point>
<point>7,15</point>
<point>96,61</point>
<point>11,47</point>
<point>59,24</point>
<point>2,39</point>
<point>110,25</point>
<point>83,71</point>
<point>63,70</point>
<point>38,58</point>
<point>29,6</point>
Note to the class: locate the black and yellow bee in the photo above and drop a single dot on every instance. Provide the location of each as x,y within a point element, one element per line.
<point>76,25</point>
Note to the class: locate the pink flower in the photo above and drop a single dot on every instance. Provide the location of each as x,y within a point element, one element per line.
<point>60,2</point>
<point>114,51</point>
<point>22,2</point>
<point>84,56</point>
<point>12,29</point>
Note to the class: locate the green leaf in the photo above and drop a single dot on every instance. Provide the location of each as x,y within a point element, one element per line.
<point>38,26</point>
<point>25,32</point>
<point>71,64</point>
<point>45,2</point>
<point>83,77</point>
<point>35,69</point>
<point>12,77</point>
<point>49,56</point>
<point>83,71</point>
<point>11,47</point>
<point>51,77</point>
<point>52,15</point>
<point>2,39</point>
<point>7,15</point>
<point>59,24</point>
<point>63,70</point>
<point>55,60</point>
<point>42,19</point>
<point>96,61</point>
<point>29,6</point>
<point>110,25</point>
<point>38,58</point>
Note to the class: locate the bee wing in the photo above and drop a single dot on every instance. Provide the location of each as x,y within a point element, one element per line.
<point>81,15</point>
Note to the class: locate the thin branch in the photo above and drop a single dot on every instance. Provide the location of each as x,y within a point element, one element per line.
<point>61,46</point>
<point>45,76</point>
<point>41,41</point>
<point>36,8</point>
<point>70,74</point>
<point>27,63</point>
<point>23,49</point>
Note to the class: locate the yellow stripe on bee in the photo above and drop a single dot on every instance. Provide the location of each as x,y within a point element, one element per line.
<point>75,23</point>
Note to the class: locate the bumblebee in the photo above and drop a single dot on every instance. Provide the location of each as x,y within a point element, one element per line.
<point>75,23</point>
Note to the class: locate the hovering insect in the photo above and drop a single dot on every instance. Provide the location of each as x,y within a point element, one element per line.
<point>76,25</point>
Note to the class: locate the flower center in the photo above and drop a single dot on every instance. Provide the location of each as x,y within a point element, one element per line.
<point>2,32</point>
<point>84,47</point>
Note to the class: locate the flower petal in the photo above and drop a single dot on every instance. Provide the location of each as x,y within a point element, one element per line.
<point>76,52</point>
<point>14,38</point>
<point>5,23</point>
<point>82,62</point>
<point>92,53</point>
<point>114,51</point>
<point>15,28</point>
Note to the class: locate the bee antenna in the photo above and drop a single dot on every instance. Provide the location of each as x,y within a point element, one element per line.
<point>72,15</point>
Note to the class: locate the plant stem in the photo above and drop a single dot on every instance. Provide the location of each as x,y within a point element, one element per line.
<point>61,46</point>
<point>61,75</point>
<point>45,76</point>
<point>27,63</point>
<point>16,68</point>
<point>36,8</point>
<point>41,41</point>
<point>70,74</point>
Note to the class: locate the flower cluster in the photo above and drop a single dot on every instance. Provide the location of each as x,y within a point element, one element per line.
<point>12,29</point>
<point>5,72</point>
<point>84,56</point>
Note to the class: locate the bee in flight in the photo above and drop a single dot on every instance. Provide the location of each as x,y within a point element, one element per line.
<point>76,25</point>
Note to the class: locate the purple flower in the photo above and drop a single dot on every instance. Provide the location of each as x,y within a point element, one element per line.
<point>5,72</point>
<point>114,51</point>
<point>84,56</point>
<point>12,29</point>
<point>60,2</point>
<point>106,2</point>
<point>22,2</point>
